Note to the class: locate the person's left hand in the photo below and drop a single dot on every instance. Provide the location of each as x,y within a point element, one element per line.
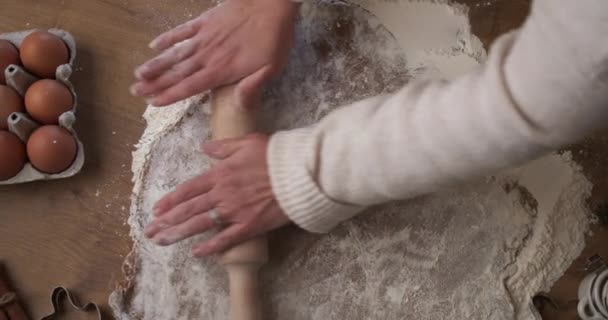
<point>238,189</point>
<point>239,40</point>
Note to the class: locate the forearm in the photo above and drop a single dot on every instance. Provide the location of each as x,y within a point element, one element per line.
<point>519,106</point>
<point>394,147</point>
<point>558,69</point>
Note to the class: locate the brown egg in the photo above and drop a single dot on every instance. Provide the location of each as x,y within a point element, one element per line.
<point>42,52</point>
<point>10,101</point>
<point>8,55</point>
<point>51,149</point>
<point>47,99</point>
<point>12,155</point>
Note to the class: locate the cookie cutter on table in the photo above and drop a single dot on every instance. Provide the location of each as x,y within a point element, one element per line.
<point>57,297</point>
<point>593,292</point>
<point>592,301</point>
<point>22,125</point>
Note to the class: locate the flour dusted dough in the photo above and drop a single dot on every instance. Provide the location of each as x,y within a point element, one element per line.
<point>478,251</point>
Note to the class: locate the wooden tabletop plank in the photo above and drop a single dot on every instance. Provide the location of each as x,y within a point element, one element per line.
<point>72,232</point>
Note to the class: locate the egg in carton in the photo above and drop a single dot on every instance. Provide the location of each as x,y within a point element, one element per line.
<point>22,125</point>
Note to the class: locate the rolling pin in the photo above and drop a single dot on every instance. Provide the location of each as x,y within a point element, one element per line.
<point>231,119</point>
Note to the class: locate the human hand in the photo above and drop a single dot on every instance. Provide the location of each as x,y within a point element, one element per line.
<point>238,189</point>
<point>246,40</point>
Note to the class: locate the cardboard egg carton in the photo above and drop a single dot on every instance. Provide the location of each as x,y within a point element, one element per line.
<point>22,124</point>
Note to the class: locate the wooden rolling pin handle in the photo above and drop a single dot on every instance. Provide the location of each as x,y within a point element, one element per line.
<point>231,119</point>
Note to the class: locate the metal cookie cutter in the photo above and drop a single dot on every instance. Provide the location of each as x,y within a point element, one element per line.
<point>592,301</point>
<point>593,291</point>
<point>58,295</point>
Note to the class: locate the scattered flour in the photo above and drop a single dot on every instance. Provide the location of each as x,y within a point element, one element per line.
<point>479,251</point>
<point>435,37</point>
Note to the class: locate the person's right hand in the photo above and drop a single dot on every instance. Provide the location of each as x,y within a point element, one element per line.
<point>239,40</point>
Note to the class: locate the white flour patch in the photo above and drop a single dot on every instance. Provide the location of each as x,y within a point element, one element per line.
<point>478,251</point>
<point>435,37</point>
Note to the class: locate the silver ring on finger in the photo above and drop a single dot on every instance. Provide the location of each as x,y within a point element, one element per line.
<point>215,217</point>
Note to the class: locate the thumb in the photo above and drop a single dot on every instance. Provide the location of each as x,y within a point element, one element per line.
<point>249,88</point>
<point>222,149</point>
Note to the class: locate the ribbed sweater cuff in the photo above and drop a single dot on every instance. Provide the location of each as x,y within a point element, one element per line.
<point>290,161</point>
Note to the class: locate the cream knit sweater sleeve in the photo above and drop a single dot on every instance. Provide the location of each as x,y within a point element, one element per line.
<point>543,87</point>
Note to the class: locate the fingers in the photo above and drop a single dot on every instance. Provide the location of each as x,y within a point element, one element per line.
<point>186,191</point>
<point>166,60</point>
<point>178,34</point>
<point>192,227</point>
<point>202,184</point>
<point>182,70</point>
<point>199,82</point>
<point>223,241</point>
<point>179,214</point>
<point>238,187</point>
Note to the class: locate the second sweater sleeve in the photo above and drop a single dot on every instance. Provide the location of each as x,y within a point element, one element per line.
<point>427,135</point>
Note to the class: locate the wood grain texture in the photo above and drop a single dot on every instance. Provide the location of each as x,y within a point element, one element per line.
<point>72,232</point>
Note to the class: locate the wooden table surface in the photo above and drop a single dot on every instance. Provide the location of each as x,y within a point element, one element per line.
<point>72,232</point>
